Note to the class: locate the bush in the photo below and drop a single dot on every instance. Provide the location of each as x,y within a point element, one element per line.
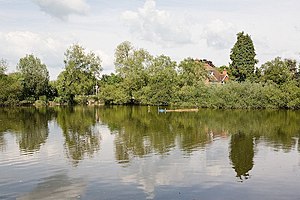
<point>43,98</point>
<point>81,99</point>
<point>40,103</point>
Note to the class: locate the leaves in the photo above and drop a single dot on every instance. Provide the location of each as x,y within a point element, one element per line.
<point>277,70</point>
<point>191,72</point>
<point>35,76</point>
<point>3,66</point>
<point>81,72</point>
<point>243,58</point>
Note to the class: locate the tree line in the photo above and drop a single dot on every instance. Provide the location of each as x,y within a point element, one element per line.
<point>143,79</point>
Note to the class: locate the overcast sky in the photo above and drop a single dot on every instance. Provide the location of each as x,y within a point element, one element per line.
<point>179,29</point>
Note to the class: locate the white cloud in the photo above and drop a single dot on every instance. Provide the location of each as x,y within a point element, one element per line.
<point>49,48</point>
<point>16,44</point>
<point>159,26</point>
<point>219,34</point>
<point>107,62</point>
<point>63,8</point>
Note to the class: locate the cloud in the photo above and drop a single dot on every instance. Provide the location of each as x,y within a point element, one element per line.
<point>220,35</point>
<point>49,48</point>
<point>107,62</point>
<point>159,26</point>
<point>63,8</point>
<point>16,44</point>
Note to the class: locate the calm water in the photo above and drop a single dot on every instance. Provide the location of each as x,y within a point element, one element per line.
<point>136,153</point>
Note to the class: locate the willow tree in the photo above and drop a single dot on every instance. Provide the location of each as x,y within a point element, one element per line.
<point>242,58</point>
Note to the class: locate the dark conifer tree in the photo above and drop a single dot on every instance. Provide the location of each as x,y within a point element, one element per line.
<point>242,58</point>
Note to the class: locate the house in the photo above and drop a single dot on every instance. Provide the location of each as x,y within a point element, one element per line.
<point>214,76</point>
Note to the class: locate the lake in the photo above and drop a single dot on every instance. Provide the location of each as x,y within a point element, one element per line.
<point>137,153</point>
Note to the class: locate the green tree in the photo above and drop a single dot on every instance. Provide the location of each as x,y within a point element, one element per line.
<point>162,81</point>
<point>130,64</point>
<point>242,58</point>
<point>3,66</point>
<point>52,90</point>
<point>35,76</point>
<point>191,72</point>
<point>292,65</point>
<point>279,71</point>
<point>80,75</point>
<point>191,76</point>
<point>123,53</point>
<point>112,90</point>
<point>10,89</point>
<point>111,79</point>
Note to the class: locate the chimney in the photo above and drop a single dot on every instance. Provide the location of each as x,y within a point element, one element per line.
<point>224,72</point>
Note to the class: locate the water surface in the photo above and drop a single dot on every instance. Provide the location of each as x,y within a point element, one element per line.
<point>138,153</point>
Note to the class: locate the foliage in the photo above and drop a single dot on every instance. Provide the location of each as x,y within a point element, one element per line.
<point>3,66</point>
<point>52,90</point>
<point>277,70</point>
<point>131,65</point>
<point>144,79</point>
<point>11,89</point>
<point>110,79</point>
<point>81,99</point>
<point>40,103</point>
<point>242,58</point>
<point>35,76</point>
<point>191,72</point>
<point>80,75</point>
<point>161,81</point>
<point>123,53</point>
<point>111,90</point>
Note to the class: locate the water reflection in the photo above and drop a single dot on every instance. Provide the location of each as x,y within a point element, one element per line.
<point>139,133</point>
<point>58,186</point>
<point>29,124</point>
<point>242,154</point>
<point>148,153</point>
<point>81,136</point>
<point>2,142</point>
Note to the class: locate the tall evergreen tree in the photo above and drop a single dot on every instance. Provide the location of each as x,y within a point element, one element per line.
<point>242,58</point>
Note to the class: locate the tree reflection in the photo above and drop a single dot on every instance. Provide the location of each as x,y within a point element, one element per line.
<point>241,154</point>
<point>139,132</point>
<point>81,135</point>
<point>29,124</point>
<point>2,142</point>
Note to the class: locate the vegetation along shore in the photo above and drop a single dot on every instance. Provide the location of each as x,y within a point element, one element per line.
<point>143,79</point>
